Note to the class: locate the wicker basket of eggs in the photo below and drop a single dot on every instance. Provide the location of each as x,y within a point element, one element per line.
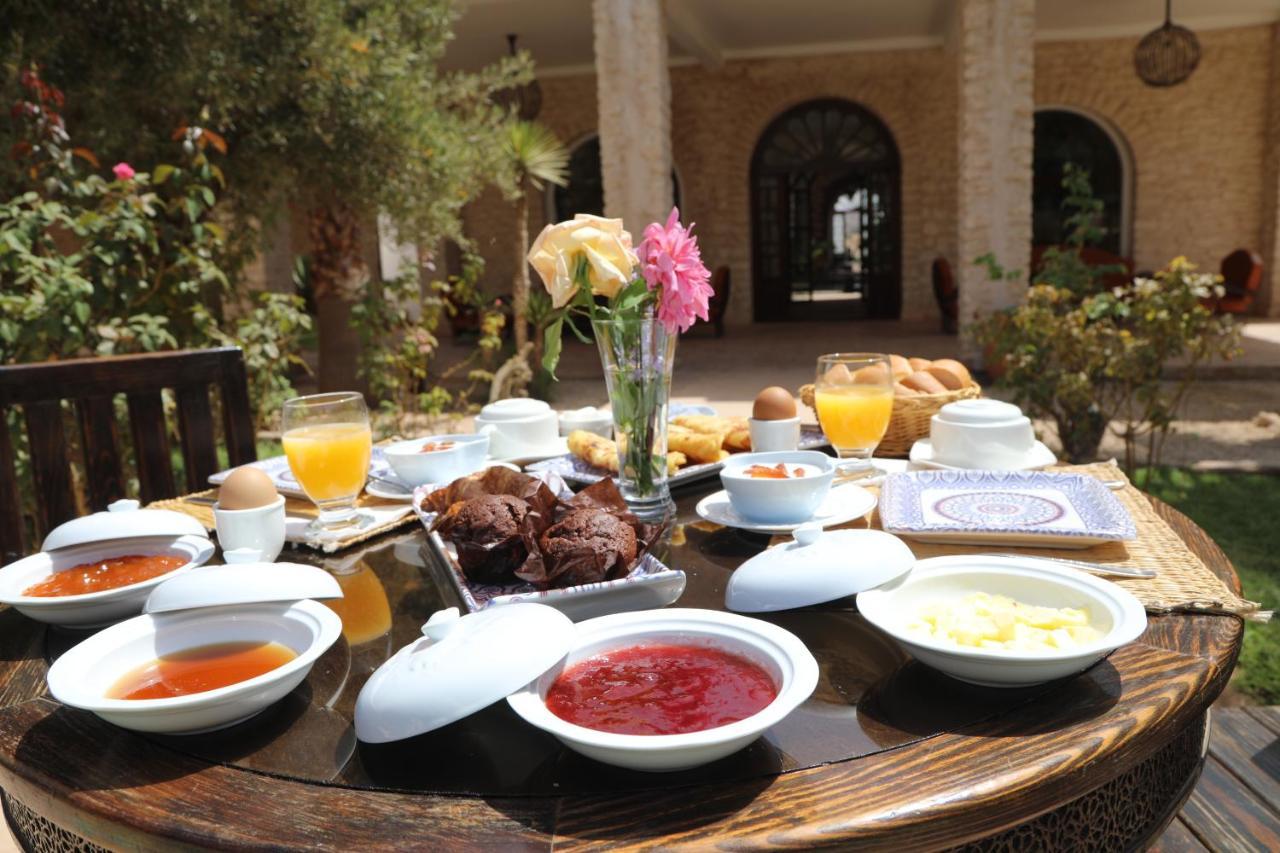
<point>920,388</point>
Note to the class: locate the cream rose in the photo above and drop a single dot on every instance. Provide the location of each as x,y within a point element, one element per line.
<point>603,242</point>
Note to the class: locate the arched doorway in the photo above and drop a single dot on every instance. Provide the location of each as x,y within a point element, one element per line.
<point>584,190</point>
<point>1063,136</point>
<point>826,216</point>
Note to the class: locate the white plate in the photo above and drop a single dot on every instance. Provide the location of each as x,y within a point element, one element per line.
<point>1037,509</point>
<point>559,447</point>
<point>388,489</point>
<point>1039,457</point>
<point>844,502</point>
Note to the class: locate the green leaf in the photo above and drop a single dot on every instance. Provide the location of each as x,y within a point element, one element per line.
<point>551,345</point>
<point>162,173</point>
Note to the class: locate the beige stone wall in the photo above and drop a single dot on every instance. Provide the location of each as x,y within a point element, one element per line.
<point>1198,146</point>
<point>717,118</point>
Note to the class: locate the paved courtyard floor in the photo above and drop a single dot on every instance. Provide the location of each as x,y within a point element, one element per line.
<point>1229,420</point>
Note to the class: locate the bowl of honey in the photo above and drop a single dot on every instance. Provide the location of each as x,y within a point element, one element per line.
<point>195,670</point>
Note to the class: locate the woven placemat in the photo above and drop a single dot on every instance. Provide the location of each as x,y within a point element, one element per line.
<point>199,505</point>
<point>1183,582</point>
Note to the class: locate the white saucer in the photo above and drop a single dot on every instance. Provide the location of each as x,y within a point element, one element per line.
<point>558,447</point>
<point>1039,457</point>
<point>844,503</point>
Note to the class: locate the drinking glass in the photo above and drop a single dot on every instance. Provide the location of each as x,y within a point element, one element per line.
<point>853,394</point>
<point>328,443</point>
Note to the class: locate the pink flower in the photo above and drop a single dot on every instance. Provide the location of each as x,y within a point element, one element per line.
<point>123,172</point>
<point>672,264</point>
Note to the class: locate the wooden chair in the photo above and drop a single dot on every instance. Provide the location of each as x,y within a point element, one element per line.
<point>721,285</point>
<point>90,384</point>
<point>1241,277</point>
<point>947,293</point>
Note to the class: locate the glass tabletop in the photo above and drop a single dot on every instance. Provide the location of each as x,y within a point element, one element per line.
<point>870,695</point>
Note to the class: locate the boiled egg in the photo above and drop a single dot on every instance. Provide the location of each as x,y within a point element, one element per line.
<point>246,488</point>
<point>774,404</point>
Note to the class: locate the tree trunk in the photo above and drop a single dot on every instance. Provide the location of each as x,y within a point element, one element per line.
<point>520,286</point>
<point>338,275</point>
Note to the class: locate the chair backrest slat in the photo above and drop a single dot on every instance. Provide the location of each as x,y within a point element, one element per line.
<point>47,443</point>
<point>237,414</point>
<point>12,532</point>
<point>195,426</point>
<point>151,445</point>
<point>101,440</point>
<point>92,383</point>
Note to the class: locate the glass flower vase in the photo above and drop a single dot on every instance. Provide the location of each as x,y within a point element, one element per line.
<point>637,355</point>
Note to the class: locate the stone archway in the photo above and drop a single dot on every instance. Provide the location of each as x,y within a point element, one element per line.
<point>1070,135</point>
<point>826,220</point>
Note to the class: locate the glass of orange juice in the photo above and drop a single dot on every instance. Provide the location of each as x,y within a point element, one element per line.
<point>853,394</point>
<point>328,443</point>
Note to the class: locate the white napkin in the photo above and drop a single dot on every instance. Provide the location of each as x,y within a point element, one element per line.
<point>295,527</point>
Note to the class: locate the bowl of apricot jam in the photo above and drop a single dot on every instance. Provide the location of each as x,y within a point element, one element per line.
<point>195,670</point>
<point>664,690</point>
<point>97,583</point>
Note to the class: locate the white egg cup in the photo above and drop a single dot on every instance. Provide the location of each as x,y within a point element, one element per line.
<point>769,436</point>
<point>261,529</point>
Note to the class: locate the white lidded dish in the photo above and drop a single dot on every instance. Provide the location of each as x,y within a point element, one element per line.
<point>816,567</point>
<point>464,664</point>
<point>122,530</point>
<point>213,605</point>
<point>1119,617</point>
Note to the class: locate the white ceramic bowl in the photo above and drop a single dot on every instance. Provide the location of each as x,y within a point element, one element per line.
<point>981,433</point>
<point>780,652</point>
<point>82,676</point>
<point>790,501</point>
<point>1113,611</point>
<point>93,609</point>
<point>437,467</point>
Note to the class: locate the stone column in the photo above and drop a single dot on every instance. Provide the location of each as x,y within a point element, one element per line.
<point>995,54</point>
<point>1268,301</point>
<point>634,95</point>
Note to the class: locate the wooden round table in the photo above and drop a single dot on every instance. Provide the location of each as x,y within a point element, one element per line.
<point>887,754</point>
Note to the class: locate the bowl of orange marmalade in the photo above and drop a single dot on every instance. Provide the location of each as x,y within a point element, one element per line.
<point>100,568</point>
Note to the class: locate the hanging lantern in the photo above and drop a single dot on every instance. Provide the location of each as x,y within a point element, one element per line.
<point>1167,55</point>
<point>526,100</point>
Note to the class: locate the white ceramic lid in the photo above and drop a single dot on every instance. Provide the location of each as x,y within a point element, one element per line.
<point>462,664</point>
<point>979,411</point>
<point>122,520</point>
<point>241,583</point>
<point>818,566</point>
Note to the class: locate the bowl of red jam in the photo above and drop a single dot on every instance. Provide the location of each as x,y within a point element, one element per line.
<point>97,583</point>
<point>665,690</point>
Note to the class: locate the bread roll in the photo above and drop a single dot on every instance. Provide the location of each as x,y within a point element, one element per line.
<point>955,369</point>
<point>900,366</point>
<point>919,363</point>
<point>872,374</point>
<point>948,377</point>
<point>900,390</point>
<point>925,383</point>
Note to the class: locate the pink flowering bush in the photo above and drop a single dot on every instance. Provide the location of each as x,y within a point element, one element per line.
<point>123,172</point>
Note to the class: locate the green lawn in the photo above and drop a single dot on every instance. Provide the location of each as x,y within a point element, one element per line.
<point>1240,512</point>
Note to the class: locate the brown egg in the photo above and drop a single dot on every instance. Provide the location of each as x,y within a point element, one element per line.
<point>246,488</point>
<point>774,404</point>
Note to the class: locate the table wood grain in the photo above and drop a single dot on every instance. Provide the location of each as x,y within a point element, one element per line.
<point>118,789</point>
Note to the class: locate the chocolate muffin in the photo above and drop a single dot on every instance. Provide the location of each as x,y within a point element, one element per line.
<point>591,531</point>
<point>488,535</point>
